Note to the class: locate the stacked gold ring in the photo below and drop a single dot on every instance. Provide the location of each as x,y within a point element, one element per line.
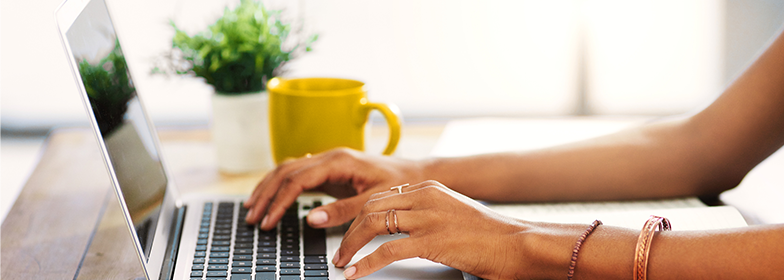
<point>399,188</point>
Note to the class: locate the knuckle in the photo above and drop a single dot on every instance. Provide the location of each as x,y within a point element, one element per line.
<point>343,154</point>
<point>339,209</point>
<point>389,250</point>
<point>374,197</point>
<point>291,182</point>
<point>433,183</point>
<point>370,204</point>
<point>371,219</point>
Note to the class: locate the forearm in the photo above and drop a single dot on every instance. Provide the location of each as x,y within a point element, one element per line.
<point>658,160</point>
<point>608,253</point>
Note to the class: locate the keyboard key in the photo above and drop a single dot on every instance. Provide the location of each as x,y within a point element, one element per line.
<point>241,270</point>
<point>201,247</point>
<point>196,273</point>
<point>243,258</point>
<point>244,240</point>
<point>266,256</point>
<point>220,249</point>
<point>316,267</point>
<point>219,242</point>
<point>266,268</point>
<point>289,252</point>
<point>241,277</point>
<point>265,276</point>
<point>268,238</point>
<point>268,250</point>
<point>200,254</point>
<point>243,251</point>
<point>219,255</point>
<point>197,267</point>
<point>244,234</point>
<point>243,245</point>
<point>219,261</point>
<point>289,277</point>
<point>266,243</point>
<point>241,263</point>
<point>316,278</point>
<point>222,237</point>
<point>316,259</point>
<point>289,265</point>
<point>290,271</point>
<point>289,258</point>
<point>204,235</point>
<point>266,262</point>
<point>198,260</point>
<point>316,273</point>
<point>218,267</point>
<point>217,273</point>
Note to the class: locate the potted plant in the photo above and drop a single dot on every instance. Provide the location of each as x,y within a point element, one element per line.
<point>237,55</point>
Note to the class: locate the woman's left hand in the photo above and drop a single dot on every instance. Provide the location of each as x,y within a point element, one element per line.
<point>445,227</point>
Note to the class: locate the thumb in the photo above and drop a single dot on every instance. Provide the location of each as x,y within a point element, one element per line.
<point>338,212</point>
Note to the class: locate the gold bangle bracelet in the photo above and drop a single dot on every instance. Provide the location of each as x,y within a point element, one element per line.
<point>644,245</point>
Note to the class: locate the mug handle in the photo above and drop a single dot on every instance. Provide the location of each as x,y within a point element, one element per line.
<point>392,115</point>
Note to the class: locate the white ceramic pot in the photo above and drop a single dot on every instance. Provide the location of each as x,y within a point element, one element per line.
<point>240,132</point>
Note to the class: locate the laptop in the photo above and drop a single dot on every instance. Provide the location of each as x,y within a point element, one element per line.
<point>196,236</point>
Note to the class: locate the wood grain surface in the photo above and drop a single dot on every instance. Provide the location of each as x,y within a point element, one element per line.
<point>67,224</point>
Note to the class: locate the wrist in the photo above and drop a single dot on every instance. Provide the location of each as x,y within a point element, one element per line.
<point>547,248</point>
<point>431,169</point>
<point>606,254</point>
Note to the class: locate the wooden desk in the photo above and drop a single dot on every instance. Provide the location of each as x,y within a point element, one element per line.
<point>67,224</point>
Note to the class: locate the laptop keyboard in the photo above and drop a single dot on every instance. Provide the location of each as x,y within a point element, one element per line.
<point>228,248</point>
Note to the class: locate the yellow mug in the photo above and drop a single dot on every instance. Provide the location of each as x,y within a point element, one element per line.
<point>312,115</point>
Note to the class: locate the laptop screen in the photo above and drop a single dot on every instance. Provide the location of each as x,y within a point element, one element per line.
<point>121,120</point>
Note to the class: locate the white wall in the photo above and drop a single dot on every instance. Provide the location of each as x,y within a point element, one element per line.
<point>432,58</point>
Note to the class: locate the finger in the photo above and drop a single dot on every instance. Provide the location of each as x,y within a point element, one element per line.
<point>266,190</point>
<point>375,224</point>
<point>398,201</point>
<point>294,183</point>
<point>394,191</point>
<point>404,248</point>
<point>338,212</point>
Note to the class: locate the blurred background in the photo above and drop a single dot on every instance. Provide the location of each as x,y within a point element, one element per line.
<point>437,60</point>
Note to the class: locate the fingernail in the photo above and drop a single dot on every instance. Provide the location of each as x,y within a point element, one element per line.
<point>336,257</point>
<point>250,214</point>
<point>264,221</point>
<point>349,272</point>
<point>317,217</point>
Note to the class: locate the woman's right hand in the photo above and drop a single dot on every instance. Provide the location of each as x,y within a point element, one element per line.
<point>349,175</point>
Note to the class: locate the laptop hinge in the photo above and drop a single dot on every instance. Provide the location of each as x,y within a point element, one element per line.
<point>170,259</point>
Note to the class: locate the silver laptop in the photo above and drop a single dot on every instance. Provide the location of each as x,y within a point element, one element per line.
<point>199,236</point>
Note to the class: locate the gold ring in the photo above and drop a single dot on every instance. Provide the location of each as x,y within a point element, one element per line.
<point>387,222</point>
<point>394,214</point>
<point>399,188</point>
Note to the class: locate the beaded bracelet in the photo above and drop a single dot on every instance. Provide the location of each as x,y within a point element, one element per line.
<point>577,246</point>
<point>644,245</point>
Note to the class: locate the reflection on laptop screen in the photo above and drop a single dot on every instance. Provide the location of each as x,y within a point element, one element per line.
<point>116,108</point>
